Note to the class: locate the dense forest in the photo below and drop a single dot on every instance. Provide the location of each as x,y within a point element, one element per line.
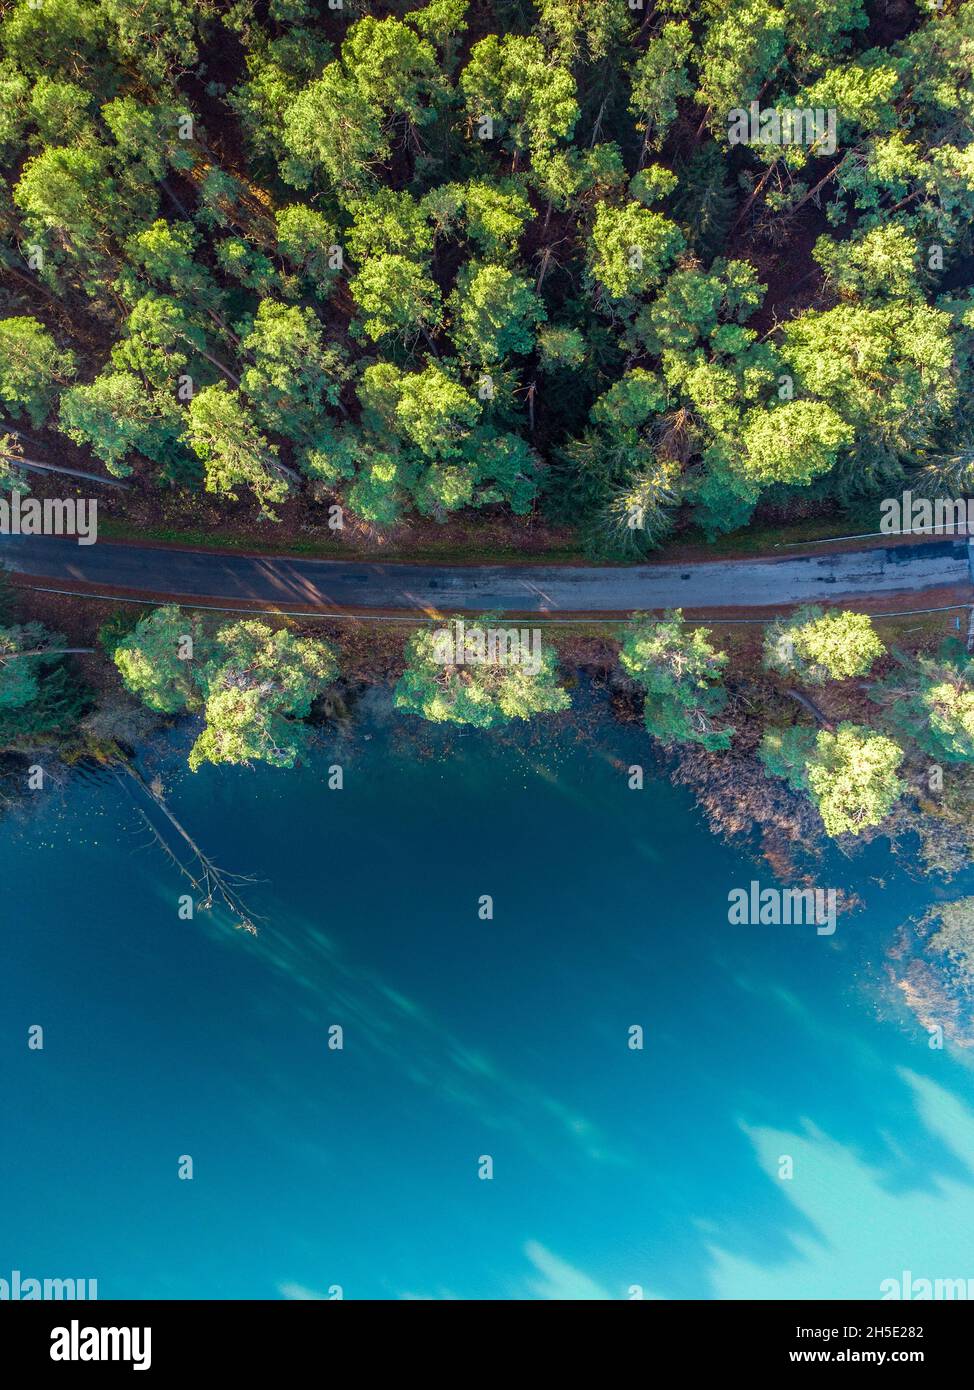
<point>405,261</point>
<point>375,266</point>
<point>417,261</point>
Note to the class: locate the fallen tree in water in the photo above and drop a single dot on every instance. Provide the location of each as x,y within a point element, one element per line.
<point>207,879</point>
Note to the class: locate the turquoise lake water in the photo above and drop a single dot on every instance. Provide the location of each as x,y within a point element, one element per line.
<point>315,1168</point>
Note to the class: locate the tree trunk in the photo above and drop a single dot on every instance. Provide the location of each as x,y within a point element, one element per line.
<point>644,151</point>
<point>286,470</point>
<point>212,880</point>
<point>49,651</point>
<point>222,324</point>
<point>754,194</point>
<point>426,334</point>
<point>821,183</point>
<point>597,125</point>
<point>32,466</point>
<point>219,366</point>
<point>817,714</point>
<point>176,202</point>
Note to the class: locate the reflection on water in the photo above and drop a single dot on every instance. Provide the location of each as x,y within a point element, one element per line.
<point>614,1168</point>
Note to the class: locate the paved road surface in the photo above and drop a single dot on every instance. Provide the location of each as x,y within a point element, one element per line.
<point>812,576</point>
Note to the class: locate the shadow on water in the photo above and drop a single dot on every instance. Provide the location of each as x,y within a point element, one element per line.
<point>662,1167</point>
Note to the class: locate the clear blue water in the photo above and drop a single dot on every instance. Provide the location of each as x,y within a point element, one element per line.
<point>316,1168</point>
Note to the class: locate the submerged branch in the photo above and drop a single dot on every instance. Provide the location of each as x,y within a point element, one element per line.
<point>208,880</point>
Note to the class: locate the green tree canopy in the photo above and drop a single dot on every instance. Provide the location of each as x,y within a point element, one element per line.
<point>494,313</point>
<point>816,645</point>
<point>222,434</point>
<point>659,80</point>
<point>881,264</point>
<point>32,368</point>
<point>680,673</point>
<point>888,372</point>
<point>488,685</point>
<point>851,775</point>
<point>39,699</point>
<point>259,684</point>
<point>253,684</point>
<point>632,248</point>
<point>397,299</point>
<point>19,683</point>
<point>67,198</point>
<point>308,243</point>
<point>529,97</point>
<point>156,38</point>
<point>294,377</point>
<point>930,699</point>
<point>116,416</point>
<point>793,442</point>
<point>333,130</point>
<point>496,215</point>
<point>160,658</point>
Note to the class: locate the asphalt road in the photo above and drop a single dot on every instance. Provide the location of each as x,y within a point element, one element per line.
<point>812,576</point>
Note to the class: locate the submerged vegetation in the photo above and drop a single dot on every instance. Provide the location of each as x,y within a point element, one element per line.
<point>405,260</point>
<point>856,731</point>
<point>852,739</point>
<point>368,266</point>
